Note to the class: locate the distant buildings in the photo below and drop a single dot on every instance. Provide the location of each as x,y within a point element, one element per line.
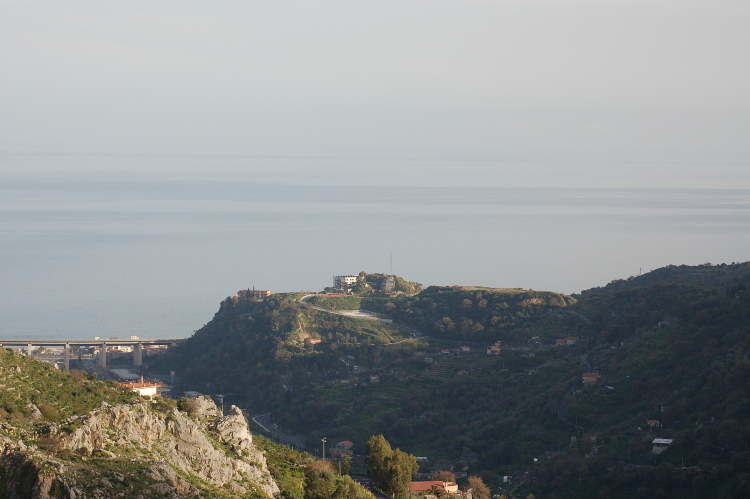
<point>343,448</point>
<point>493,350</point>
<point>388,285</point>
<point>254,293</point>
<point>590,378</point>
<point>570,340</point>
<point>344,281</point>
<point>422,487</point>
<point>143,388</point>
<point>661,444</point>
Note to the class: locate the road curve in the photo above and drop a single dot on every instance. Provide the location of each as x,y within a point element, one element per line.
<point>264,421</point>
<point>362,314</point>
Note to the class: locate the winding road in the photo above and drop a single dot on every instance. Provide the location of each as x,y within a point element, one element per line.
<point>363,314</point>
<point>264,421</point>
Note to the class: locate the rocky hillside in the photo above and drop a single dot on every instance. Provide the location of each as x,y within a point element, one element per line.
<point>142,449</point>
<point>70,436</point>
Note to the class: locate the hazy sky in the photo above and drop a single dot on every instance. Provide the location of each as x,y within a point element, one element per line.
<point>545,80</point>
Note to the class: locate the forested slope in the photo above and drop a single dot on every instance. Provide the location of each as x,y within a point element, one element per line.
<point>672,350</point>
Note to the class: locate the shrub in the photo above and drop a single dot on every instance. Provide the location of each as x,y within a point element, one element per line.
<point>49,412</point>
<point>50,443</point>
<point>187,405</point>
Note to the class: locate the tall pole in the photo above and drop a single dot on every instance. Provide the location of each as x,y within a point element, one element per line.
<point>391,263</point>
<point>324,446</point>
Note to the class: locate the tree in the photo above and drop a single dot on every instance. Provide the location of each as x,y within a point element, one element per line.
<point>478,488</point>
<point>346,465</point>
<point>320,483</point>
<point>390,470</point>
<point>444,476</point>
<point>378,450</point>
<point>401,466</point>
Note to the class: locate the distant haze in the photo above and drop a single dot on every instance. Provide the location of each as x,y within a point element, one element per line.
<point>552,80</point>
<point>156,157</point>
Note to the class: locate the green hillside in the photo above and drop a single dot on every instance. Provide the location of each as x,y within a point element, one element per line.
<point>674,350</point>
<point>69,436</point>
<point>55,393</point>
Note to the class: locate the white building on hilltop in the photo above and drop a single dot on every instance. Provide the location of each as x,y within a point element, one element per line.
<point>342,281</point>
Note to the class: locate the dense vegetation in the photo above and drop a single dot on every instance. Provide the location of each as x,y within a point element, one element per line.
<point>300,476</point>
<point>675,351</point>
<point>250,344</point>
<point>471,313</point>
<point>352,302</point>
<point>55,393</point>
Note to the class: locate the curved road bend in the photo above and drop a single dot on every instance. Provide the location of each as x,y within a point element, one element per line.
<point>360,314</point>
<point>264,421</point>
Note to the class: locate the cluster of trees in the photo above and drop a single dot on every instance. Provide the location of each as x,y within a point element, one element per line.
<point>470,314</point>
<point>390,469</point>
<point>321,482</point>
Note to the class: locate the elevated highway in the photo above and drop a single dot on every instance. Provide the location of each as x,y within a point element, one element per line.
<point>136,343</point>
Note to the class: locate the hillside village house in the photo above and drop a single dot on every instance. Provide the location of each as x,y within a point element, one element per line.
<point>143,388</point>
<point>341,449</point>
<point>591,378</point>
<point>422,487</point>
<point>660,445</point>
<point>493,350</point>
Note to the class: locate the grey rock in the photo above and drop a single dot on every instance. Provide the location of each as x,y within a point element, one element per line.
<point>36,414</point>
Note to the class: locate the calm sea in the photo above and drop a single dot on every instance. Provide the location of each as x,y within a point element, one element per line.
<point>116,245</point>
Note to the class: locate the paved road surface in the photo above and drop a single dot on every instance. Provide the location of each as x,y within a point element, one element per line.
<point>264,421</point>
<point>363,314</point>
<point>366,482</point>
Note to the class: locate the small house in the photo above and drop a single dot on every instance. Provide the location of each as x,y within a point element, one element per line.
<point>143,388</point>
<point>427,486</point>
<point>590,378</point>
<point>661,444</point>
<point>465,349</point>
<point>653,423</point>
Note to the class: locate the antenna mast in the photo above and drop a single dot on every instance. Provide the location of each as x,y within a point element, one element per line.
<point>391,263</point>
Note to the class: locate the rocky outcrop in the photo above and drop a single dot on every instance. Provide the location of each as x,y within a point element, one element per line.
<point>133,424</point>
<point>215,449</point>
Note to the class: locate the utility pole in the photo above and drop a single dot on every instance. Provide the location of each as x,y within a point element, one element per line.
<point>324,446</point>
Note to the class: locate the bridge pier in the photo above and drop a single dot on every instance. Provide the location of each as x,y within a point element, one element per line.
<point>66,357</point>
<point>103,355</point>
<point>138,354</point>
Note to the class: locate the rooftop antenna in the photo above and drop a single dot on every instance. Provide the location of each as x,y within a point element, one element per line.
<point>391,263</point>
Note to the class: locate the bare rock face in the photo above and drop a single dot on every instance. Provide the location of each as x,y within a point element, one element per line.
<point>205,407</point>
<point>233,430</point>
<point>36,414</point>
<point>183,443</point>
<point>133,424</point>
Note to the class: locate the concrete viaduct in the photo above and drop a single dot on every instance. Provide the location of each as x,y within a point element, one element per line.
<point>103,344</point>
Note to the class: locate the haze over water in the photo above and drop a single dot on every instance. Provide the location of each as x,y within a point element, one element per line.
<point>156,157</point>
<point>116,245</point>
